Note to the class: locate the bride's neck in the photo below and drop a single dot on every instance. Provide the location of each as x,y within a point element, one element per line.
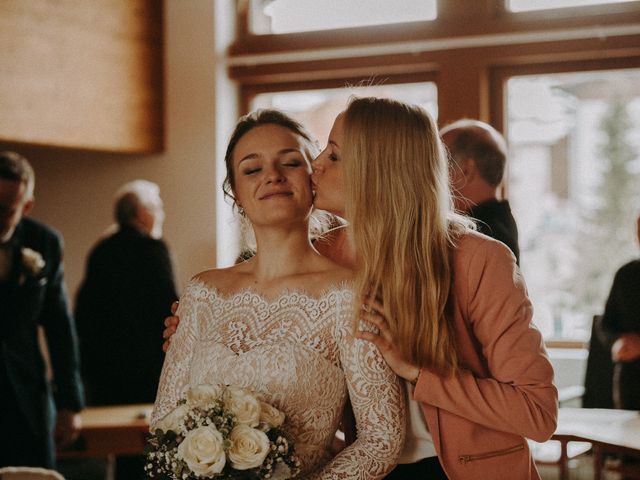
<point>281,253</point>
<point>337,245</point>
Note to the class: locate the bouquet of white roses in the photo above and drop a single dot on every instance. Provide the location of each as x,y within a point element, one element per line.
<point>221,433</point>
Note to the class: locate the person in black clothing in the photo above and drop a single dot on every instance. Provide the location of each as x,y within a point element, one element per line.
<point>121,304</point>
<point>33,296</point>
<point>478,156</point>
<point>621,327</point>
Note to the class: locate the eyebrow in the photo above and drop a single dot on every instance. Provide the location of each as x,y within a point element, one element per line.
<point>284,151</point>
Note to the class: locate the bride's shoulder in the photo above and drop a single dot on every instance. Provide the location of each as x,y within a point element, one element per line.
<point>220,279</point>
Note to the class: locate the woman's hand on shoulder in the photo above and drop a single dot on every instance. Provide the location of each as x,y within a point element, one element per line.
<point>374,327</point>
<point>171,325</point>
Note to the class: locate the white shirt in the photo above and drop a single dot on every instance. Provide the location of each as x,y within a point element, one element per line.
<point>418,443</point>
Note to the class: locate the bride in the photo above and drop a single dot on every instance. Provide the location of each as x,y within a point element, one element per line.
<point>281,322</point>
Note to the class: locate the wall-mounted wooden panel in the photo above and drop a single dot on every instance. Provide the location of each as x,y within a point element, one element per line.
<point>82,74</point>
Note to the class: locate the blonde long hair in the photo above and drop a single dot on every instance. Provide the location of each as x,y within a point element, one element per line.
<point>403,224</point>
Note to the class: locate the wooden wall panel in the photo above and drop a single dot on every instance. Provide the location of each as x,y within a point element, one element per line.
<point>82,74</point>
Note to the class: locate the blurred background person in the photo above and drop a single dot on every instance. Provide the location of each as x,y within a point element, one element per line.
<point>33,295</point>
<point>121,304</point>
<point>621,327</point>
<point>478,155</point>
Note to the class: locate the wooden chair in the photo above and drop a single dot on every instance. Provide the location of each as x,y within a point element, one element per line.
<point>596,393</point>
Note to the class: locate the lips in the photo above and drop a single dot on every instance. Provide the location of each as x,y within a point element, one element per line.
<point>276,195</point>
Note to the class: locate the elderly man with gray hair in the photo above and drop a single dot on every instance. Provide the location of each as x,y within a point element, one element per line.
<point>478,155</point>
<point>121,304</point>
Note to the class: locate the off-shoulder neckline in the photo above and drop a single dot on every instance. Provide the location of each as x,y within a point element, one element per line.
<point>342,287</point>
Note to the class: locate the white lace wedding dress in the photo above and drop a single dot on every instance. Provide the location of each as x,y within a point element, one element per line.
<point>298,353</point>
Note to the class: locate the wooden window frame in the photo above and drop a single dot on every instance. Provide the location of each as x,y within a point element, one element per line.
<point>456,18</point>
<point>249,91</point>
<point>470,78</point>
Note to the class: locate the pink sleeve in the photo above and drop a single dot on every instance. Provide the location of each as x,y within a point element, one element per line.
<point>518,396</point>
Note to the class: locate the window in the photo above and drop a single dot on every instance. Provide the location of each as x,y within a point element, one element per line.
<point>574,186</point>
<point>466,63</point>
<point>288,16</point>
<point>317,109</point>
<point>529,5</point>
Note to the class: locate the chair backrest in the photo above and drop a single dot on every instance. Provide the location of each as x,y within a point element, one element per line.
<point>598,381</point>
<point>28,473</point>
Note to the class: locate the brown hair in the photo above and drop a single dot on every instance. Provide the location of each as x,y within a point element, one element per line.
<point>14,166</point>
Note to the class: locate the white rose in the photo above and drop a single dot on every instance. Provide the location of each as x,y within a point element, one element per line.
<point>249,447</point>
<point>32,261</point>
<point>203,395</point>
<point>281,472</point>
<point>243,405</point>
<point>173,419</point>
<point>270,415</point>
<point>202,450</point>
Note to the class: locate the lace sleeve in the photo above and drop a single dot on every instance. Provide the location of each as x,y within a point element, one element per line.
<point>379,406</point>
<point>175,371</point>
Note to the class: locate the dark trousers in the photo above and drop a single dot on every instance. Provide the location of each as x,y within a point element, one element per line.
<point>130,468</point>
<point>21,446</point>
<point>427,469</point>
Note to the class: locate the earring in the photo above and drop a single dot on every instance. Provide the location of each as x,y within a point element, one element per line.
<point>241,210</point>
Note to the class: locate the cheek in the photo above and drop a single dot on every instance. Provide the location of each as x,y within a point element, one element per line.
<point>304,185</point>
<point>240,190</point>
<point>337,181</point>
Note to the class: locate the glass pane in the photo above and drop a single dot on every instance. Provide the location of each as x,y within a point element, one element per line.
<point>574,185</point>
<point>317,109</point>
<point>529,5</point>
<point>288,16</point>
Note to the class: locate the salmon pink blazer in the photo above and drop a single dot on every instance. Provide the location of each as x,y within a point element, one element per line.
<point>504,393</point>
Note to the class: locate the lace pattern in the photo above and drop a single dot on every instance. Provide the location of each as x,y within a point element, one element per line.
<point>298,353</point>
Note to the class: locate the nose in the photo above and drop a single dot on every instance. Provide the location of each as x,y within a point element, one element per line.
<point>274,174</point>
<point>317,164</point>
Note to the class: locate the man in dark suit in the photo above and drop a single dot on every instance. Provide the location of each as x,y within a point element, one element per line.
<point>121,304</point>
<point>621,327</point>
<point>123,298</point>
<point>32,294</point>
<point>478,155</point>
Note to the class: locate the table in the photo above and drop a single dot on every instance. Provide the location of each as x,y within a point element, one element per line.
<point>609,431</point>
<point>111,431</point>
<point>121,430</point>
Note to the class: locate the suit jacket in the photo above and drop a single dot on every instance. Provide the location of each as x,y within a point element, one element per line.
<point>127,292</point>
<point>29,299</point>
<point>494,219</point>
<point>479,419</point>
<point>622,311</point>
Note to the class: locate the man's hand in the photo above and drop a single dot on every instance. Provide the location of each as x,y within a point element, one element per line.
<point>171,325</point>
<point>626,348</point>
<point>68,425</point>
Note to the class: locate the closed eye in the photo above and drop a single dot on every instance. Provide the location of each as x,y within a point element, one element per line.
<point>250,171</point>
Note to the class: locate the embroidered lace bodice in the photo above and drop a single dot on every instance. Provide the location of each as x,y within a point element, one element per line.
<point>298,353</point>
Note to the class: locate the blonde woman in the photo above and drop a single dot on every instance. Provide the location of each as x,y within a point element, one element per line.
<point>451,308</point>
<point>450,305</point>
